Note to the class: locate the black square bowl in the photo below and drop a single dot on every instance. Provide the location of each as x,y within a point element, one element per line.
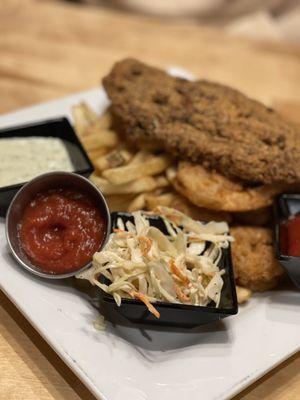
<point>58,128</point>
<point>177,315</point>
<point>285,206</point>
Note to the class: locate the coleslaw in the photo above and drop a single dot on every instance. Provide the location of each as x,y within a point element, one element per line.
<point>141,262</point>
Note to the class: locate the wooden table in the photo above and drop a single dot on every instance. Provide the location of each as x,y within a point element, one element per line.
<point>49,49</point>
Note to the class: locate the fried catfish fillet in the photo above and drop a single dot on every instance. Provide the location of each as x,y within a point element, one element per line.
<point>204,122</point>
<point>253,258</point>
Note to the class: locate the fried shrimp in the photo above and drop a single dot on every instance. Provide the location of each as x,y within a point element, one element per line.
<point>253,258</point>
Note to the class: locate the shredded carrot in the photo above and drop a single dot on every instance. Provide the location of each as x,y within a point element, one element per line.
<point>145,300</point>
<point>174,218</point>
<point>176,271</point>
<point>181,296</point>
<point>117,230</point>
<point>123,234</point>
<point>194,238</point>
<point>145,244</point>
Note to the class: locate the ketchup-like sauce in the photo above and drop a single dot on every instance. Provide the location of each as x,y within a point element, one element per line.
<point>290,236</point>
<point>61,230</point>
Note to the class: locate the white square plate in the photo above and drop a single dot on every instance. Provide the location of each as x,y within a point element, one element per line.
<point>214,362</point>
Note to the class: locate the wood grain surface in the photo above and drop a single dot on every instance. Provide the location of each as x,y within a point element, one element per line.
<point>50,49</point>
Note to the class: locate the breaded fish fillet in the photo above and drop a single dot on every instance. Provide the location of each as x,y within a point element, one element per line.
<point>204,122</point>
<point>253,258</point>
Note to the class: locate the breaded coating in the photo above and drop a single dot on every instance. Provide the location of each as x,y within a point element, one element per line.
<point>253,258</point>
<point>204,122</point>
<point>201,214</point>
<point>214,191</point>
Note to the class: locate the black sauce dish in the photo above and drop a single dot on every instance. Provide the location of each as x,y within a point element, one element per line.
<point>172,315</point>
<point>286,206</point>
<point>58,128</point>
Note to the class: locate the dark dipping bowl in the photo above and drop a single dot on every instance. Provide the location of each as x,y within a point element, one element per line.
<point>285,206</point>
<point>177,315</point>
<point>44,182</point>
<point>58,128</point>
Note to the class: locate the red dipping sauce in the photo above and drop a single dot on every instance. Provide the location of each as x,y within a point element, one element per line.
<point>61,230</point>
<point>290,236</point>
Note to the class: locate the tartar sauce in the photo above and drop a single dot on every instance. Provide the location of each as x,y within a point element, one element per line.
<point>21,159</point>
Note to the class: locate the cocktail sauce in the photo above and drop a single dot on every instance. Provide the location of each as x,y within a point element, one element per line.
<point>61,230</point>
<point>290,236</point>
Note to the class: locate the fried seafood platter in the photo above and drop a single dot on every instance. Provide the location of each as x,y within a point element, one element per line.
<point>198,148</point>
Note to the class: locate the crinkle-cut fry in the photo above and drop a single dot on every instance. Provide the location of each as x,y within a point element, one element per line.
<point>145,300</point>
<point>153,200</point>
<point>113,159</point>
<point>153,166</point>
<point>138,203</point>
<point>176,271</point>
<point>146,184</point>
<point>97,137</point>
<point>243,294</point>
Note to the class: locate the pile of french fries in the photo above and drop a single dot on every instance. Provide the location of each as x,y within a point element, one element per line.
<point>130,179</point>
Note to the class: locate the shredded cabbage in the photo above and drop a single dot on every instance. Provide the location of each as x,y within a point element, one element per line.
<point>141,262</point>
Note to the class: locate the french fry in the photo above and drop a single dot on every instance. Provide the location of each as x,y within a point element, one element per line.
<point>87,122</point>
<point>243,294</point>
<point>119,202</point>
<point>152,200</point>
<point>139,157</point>
<point>113,159</point>
<point>138,203</point>
<point>122,188</point>
<point>97,153</point>
<point>80,121</point>
<point>171,173</point>
<point>99,138</point>
<point>145,184</point>
<point>128,173</point>
<point>105,120</point>
<point>89,114</point>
